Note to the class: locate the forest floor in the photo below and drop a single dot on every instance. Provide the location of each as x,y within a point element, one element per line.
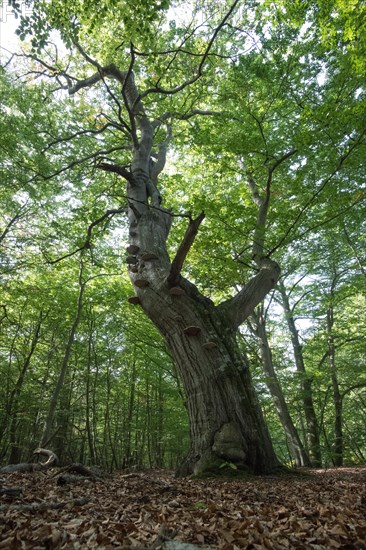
<point>152,509</point>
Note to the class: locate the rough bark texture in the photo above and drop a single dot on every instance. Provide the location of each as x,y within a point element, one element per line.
<point>225,419</point>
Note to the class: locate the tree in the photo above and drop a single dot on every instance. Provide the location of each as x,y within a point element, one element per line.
<point>312,427</point>
<point>225,419</point>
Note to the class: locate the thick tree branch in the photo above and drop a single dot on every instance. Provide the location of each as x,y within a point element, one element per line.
<point>263,205</point>
<point>238,308</point>
<point>159,165</point>
<point>184,248</point>
<point>117,169</point>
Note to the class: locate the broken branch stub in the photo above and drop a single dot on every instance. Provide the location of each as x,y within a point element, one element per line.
<point>52,458</point>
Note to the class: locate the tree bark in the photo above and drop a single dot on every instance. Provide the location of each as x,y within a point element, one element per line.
<point>46,433</point>
<point>225,418</point>
<point>12,406</point>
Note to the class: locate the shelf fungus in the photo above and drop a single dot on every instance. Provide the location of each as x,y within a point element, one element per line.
<point>135,300</point>
<point>192,331</point>
<point>141,283</point>
<point>148,256</point>
<point>176,291</point>
<point>131,260</point>
<point>209,345</point>
<point>132,248</point>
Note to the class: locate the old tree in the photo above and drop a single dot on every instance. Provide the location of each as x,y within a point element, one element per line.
<point>137,82</point>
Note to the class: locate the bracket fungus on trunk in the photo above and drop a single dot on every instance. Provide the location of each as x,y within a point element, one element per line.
<point>141,283</point>
<point>130,260</point>
<point>135,300</point>
<point>132,248</point>
<point>210,345</point>
<point>176,291</point>
<point>148,256</point>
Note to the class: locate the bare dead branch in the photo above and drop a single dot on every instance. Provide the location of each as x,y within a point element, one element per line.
<point>52,457</point>
<point>184,248</point>
<point>40,506</point>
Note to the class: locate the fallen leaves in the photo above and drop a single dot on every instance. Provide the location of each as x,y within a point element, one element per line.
<point>154,510</point>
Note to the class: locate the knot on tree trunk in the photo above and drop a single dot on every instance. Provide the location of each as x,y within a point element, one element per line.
<point>270,265</point>
<point>229,444</point>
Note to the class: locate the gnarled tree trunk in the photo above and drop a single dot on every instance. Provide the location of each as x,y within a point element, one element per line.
<point>225,419</point>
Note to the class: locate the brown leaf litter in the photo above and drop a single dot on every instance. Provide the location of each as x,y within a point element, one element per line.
<point>152,509</point>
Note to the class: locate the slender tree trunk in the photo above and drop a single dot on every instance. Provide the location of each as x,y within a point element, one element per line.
<point>15,449</point>
<point>312,426</point>
<point>296,447</point>
<point>337,397</point>
<point>88,411</point>
<point>127,458</point>
<point>46,434</point>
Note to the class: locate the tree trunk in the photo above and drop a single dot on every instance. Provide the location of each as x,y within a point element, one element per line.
<point>312,425</point>
<point>226,423</point>
<point>12,410</point>
<point>337,397</point>
<point>296,447</point>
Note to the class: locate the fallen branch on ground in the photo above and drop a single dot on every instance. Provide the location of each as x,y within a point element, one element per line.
<point>40,506</point>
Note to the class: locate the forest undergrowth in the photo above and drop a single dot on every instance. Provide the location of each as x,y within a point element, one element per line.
<point>152,509</point>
